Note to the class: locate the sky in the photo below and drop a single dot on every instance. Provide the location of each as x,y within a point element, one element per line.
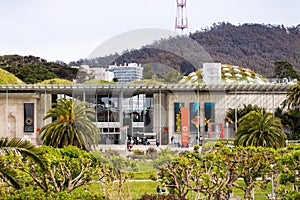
<point>68,30</point>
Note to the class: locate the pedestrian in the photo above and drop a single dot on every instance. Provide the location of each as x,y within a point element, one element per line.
<point>172,140</point>
<point>157,143</point>
<point>158,189</point>
<point>131,143</point>
<point>163,188</point>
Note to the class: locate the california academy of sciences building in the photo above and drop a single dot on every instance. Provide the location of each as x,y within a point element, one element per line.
<point>155,111</point>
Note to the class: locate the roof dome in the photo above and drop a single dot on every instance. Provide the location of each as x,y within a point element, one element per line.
<point>8,78</point>
<point>229,74</point>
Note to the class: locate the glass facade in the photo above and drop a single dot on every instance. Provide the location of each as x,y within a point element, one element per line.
<point>137,114</point>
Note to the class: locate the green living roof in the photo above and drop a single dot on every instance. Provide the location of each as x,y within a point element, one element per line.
<point>8,78</point>
<point>230,74</point>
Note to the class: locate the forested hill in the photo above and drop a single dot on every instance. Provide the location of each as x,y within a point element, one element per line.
<point>31,69</point>
<point>254,46</point>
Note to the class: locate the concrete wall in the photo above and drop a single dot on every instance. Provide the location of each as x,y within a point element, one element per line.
<point>12,114</point>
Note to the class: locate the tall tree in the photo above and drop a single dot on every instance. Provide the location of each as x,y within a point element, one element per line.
<point>284,69</point>
<point>148,72</point>
<point>171,76</point>
<point>240,112</point>
<point>259,128</point>
<point>290,120</point>
<point>72,127</point>
<point>293,97</point>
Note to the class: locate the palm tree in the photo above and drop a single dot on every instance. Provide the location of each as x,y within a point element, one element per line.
<point>259,128</point>
<point>23,148</point>
<point>240,112</point>
<point>72,127</point>
<point>293,96</point>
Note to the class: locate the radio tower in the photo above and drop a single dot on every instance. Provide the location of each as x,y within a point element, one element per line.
<point>181,21</point>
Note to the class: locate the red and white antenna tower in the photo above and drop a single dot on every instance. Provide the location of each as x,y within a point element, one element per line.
<point>181,21</point>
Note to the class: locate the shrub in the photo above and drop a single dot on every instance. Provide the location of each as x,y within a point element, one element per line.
<point>41,195</point>
<point>152,153</point>
<point>138,152</point>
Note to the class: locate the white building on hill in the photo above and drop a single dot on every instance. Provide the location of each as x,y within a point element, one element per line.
<point>127,73</point>
<point>102,74</point>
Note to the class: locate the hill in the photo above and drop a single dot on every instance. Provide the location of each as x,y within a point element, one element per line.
<point>254,46</point>
<point>31,69</point>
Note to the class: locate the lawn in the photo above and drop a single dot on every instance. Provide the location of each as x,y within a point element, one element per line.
<point>145,170</point>
<point>140,184</point>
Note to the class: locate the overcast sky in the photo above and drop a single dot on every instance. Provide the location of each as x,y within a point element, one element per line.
<point>68,30</point>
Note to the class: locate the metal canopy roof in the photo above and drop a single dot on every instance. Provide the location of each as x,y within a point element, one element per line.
<point>141,88</point>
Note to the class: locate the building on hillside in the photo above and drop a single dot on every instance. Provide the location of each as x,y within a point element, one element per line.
<point>127,73</point>
<point>102,74</point>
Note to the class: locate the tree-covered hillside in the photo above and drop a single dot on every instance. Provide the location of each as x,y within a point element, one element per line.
<point>254,46</point>
<point>31,69</point>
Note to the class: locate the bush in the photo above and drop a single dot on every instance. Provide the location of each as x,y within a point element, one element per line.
<point>151,153</point>
<point>41,195</point>
<point>110,153</point>
<point>138,152</point>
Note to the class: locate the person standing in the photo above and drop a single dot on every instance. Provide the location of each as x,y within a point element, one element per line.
<point>158,190</point>
<point>157,143</point>
<point>172,140</point>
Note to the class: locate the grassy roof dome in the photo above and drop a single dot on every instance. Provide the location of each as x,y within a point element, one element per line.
<point>8,78</point>
<point>229,74</point>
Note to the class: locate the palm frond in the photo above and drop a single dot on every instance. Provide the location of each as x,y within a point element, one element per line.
<point>24,148</point>
<point>8,176</point>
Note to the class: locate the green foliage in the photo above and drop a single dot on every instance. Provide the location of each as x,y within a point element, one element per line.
<point>290,120</point>
<point>293,97</point>
<point>72,127</point>
<point>215,174</point>
<point>33,194</point>
<point>138,152</point>
<point>94,81</point>
<point>291,195</point>
<point>123,164</point>
<point>146,81</point>
<point>284,69</point>
<point>259,128</point>
<point>16,146</point>
<point>67,168</point>
<point>148,72</point>
<point>115,79</point>
<point>56,81</point>
<point>32,69</point>
<point>170,76</point>
<point>240,112</point>
<point>286,178</point>
<point>165,157</point>
<point>152,153</point>
<point>290,167</point>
